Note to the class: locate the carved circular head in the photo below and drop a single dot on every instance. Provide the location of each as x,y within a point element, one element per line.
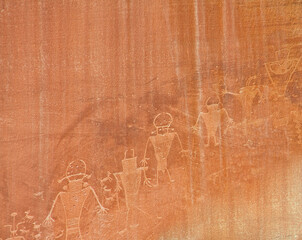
<point>212,103</point>
<point>252,81</point>
<point>76,168</point>
<point>163,120</point>
<point>212,100</point>
<point>14,214</point>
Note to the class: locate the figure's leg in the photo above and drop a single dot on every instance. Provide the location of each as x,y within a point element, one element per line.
<point>171,180</point>
<point>127,218</point>
<point>245,126</point>
<point>157,177</point>
<point>74,235</point>
<point>122,232</point>
<point>133,222</point>
<point>215,141</point>
<point>208,143</point>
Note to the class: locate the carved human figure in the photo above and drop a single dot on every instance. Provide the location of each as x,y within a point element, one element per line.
<point>162,141</point>
<point>212,119</point>
<point>280,72</point>
<point>247,95</point>
<point>107,192</point>
<point>130,178</point>
<point>69,206</point>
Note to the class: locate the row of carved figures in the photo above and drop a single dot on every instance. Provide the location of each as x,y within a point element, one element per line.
<point>78,192</point>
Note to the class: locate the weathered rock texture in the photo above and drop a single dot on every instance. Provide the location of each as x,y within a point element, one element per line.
<point>81,82</point>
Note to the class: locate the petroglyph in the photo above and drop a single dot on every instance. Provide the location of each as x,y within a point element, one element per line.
<point>280,72</point>
<point>77,197</point>
<point>130,178</point>
<point>26,228</point>
<point>212,120</point>
<point>162,141</point>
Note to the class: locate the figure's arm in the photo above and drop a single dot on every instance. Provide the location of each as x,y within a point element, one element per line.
<point>182,151</point>
<point>197,121</point>
<point>260,95</point>
<point>118,186</point>
<point>107,178</point>
<point>147,181</point>
<point>49,220</point>
<point>230,120</point>
<point>101,208</point>
<point>144,161</point>
<point>178,139</point>
<point>231,93</point>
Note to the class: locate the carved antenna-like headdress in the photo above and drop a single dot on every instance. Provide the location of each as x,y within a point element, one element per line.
<point>129,164</point>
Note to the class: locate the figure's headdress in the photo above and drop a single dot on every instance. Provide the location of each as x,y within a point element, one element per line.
<point>129,164</point>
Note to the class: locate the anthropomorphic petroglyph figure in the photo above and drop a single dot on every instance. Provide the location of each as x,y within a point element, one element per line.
<point>247,95</point>
<point>131,181</point>
<point>107,193</point>
<point>212,120</point>
<point>280,72</point>
<point>162,141</point>
<point>69,205</point>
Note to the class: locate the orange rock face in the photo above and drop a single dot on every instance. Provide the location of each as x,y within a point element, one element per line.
<point>157,119</point>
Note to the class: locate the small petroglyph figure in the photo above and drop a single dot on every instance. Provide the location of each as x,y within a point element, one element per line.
<point>246,97</point>
<point>162,142</point>
<point>107,196</point>
<point>131,181</point>
<point>39,195</point>
<point>25,229</point>
<point>14,228</point>
<point>212,120</point>
<point>69,205</point>
<point>280,72</point>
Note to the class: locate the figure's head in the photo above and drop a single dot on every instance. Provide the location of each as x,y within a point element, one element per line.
<point>75,172</point>
<point>282,54</point>
<point>212,104</point>
<point>162,122</point>
<point>75,175</point>
<point>252,81</point>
